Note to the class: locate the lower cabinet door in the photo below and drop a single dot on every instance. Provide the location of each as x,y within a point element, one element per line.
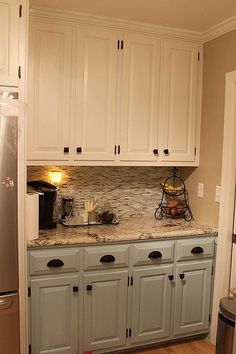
<point>105,310</point>
<point>54,315</point>
<point>152,290</point>
<point>193,294</point>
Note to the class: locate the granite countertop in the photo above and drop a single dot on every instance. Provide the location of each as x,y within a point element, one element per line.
<point>133,229</point>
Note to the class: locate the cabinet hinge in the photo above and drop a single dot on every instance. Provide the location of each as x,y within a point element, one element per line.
<point>130,332</point>
<point>30,350</point>
<point>29,291</point>
<point>127,332</point>
<point>19,72</point>
<point>198,56</point>
<point>20,11</point>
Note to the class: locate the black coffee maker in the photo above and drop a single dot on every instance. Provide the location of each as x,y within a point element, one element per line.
<point>47,197</point>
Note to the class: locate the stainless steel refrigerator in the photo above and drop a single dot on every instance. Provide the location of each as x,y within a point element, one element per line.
<point>9,304</point>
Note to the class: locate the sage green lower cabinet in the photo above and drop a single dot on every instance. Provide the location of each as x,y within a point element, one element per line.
<point>105,309</point>
<point>54,315</point>
<point>130,295</point>
<point>152,290</point>
<point>193,297</point>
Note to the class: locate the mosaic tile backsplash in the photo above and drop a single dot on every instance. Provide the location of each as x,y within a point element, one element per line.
<point>128,191</point>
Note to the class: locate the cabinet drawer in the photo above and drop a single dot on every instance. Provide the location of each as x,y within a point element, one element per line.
<point>198,248</point>
<point>54,261</point>
<point>153,253</point>
<point>104,257</point>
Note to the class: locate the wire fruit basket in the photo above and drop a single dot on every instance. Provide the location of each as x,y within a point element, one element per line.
<point>174,202</point>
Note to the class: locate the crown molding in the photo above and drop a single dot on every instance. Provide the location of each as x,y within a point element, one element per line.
<point>219,29</point>
<point>118,24</point>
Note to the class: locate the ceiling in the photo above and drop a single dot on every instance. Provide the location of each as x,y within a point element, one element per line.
<point>195,15</point>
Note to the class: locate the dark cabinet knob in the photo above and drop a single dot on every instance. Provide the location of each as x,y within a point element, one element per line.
<point>89,287</point>
<point>108,258</point>
<point>55,263</point>
<point>181,276</point>
<point>171,277</point>
<point>75,289</point>
<point>155,255</point>
<point>66,150</point>
<point>155,151</point>
<point>166,151</point>
<point>79,150</point>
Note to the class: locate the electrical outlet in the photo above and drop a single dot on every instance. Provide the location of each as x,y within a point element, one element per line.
<point>200,190</point>
<point>218,194</point>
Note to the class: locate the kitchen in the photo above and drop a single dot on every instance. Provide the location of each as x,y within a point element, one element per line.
<point>77,70</point>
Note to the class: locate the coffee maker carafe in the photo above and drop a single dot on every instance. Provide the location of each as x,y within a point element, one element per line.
<point>47,198</point>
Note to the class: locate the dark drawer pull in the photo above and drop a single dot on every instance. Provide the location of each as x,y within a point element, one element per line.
<point>79,150</point>
<point>155,254</point>
<point>197,250</point>
<point>108,258</point>
<point>181,276</point>
<point>66,150</point>
<point>89,287</point>
<point>171,277</point>
<point>54,263</point>
<point>166,151</point>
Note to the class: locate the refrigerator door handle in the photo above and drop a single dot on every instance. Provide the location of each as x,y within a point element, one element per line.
<point>5,305</point>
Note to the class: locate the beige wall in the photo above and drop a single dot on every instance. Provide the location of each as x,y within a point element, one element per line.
<point>219,58</point>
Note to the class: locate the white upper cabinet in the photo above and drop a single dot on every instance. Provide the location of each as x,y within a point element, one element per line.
<point>100,95</point>
<point>180,101</point>
<point>95,102</point>
<point>49,85</point>
<point>139,98</point>
<point>9,16</point>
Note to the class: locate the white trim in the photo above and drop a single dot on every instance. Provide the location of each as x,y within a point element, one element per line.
<point>118,24</point>
<point>228,179</point>
<point>220,29</point>
<point>22,245</point>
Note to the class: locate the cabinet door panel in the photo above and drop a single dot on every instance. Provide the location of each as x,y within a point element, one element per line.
<point>49,91</point>
<point>96,72</point>
<point>140,98</point>
<point>192,304</point>
<point>105,310</point>
<point>179,114</point>
<point>54,314</point>
<point>9,42</point>
<point>152,291</point>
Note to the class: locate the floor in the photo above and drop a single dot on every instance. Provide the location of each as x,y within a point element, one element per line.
<point>191,347</point>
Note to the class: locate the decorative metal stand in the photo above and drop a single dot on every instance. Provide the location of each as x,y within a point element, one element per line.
<point>174,202</point>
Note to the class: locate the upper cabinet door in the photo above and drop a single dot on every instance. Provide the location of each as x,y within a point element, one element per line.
<point>9,16</point>
<point>95,103</point>
<point>139,98</point>
<point>49,84</point>
<point>180,96</point>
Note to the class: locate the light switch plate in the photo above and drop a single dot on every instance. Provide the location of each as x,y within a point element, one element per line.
<point>218,194</point>
<point>200,190</point>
